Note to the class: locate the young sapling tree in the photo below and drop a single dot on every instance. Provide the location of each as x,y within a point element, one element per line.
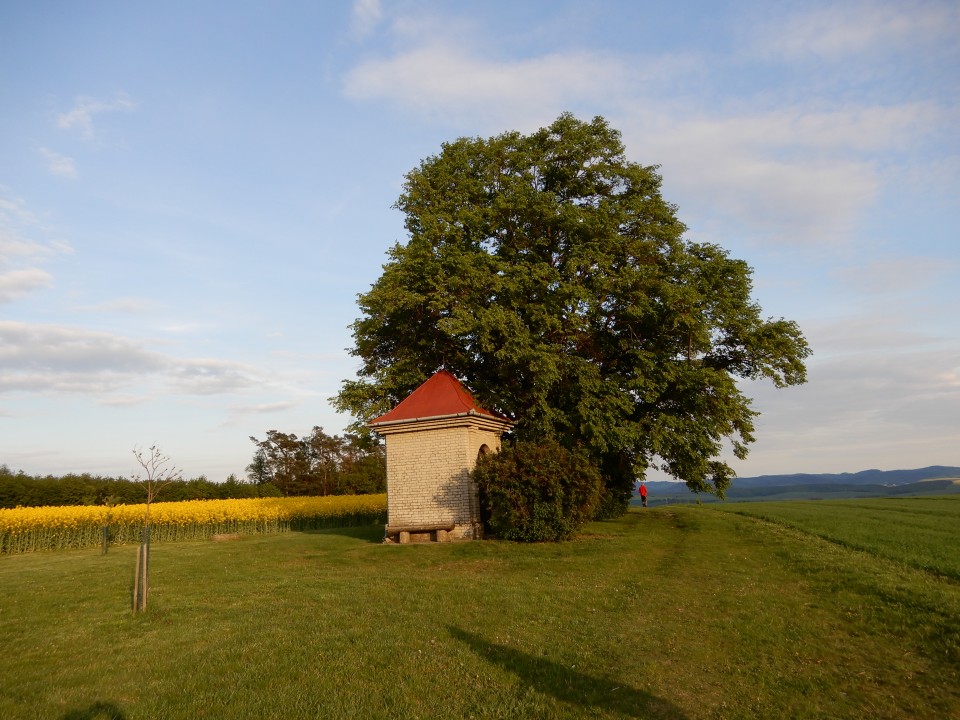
<point>157,473</point>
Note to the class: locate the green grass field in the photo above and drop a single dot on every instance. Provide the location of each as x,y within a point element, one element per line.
<point>678,612</point>
<point>921,532</point>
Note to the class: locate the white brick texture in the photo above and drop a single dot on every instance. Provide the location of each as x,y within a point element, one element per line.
<point>428,471</point>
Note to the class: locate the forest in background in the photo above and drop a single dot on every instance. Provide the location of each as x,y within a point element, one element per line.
<point>283,465</point>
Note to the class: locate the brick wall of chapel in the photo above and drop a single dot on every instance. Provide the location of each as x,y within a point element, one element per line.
<point>428,476</point>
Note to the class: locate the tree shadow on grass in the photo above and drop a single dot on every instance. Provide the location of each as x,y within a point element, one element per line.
<point>569,685</point>
<point>366,533</point>
<point>99,710</point>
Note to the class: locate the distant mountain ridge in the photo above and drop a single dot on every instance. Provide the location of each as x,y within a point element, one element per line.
<point>936,479</point>
<point>865,477</point>
<point>754,486</point>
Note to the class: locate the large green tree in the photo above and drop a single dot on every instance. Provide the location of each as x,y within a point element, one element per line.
<point>548,272</point>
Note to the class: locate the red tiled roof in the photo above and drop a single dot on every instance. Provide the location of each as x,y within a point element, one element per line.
<point>440,396</point>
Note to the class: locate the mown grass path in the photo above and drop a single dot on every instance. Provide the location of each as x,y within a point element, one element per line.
<point>668,613</point>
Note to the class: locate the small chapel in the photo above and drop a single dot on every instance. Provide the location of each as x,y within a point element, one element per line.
<point>433,439</point>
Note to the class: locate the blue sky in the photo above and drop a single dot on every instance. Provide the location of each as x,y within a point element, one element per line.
<point>193,194</point>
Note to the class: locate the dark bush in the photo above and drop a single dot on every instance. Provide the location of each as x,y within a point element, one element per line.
<point>613,503</point>
<point>535,492</point>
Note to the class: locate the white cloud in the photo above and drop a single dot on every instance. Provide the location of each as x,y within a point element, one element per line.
<point>123,400</point>
<point>48,358</point>
<point>797,131</point>
<point>59,165</point>
<point>18,225</point>
<point>453,83</point>
<point>897,409</point>
<point>87,108</point>
<point>20,252</point>
<point>772,175</point>
<point>366,16</point>
<point>879,332</point>
<point>16,283</point>
<point>894,275</point>
<point>127,305</point>
<point>882,384</point>
<point>789,173</point>
<point>14,218</point>
<point>56,349</point>
<point>264,408</point>
<point>847,29</point>
<point>211,377</point>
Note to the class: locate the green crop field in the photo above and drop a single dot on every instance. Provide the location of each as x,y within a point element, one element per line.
<point>678,612</point>
<point>919,531</point>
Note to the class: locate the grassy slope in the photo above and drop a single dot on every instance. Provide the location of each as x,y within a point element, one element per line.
<point>679,612</point>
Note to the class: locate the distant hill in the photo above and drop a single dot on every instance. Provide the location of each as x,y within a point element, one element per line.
<point>865,477</point>
<point>934,480</point>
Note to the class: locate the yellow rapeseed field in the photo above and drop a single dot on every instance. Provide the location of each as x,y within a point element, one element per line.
<point>25,529</point>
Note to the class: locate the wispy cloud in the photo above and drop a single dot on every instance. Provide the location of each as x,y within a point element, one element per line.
<point>847,29</point>
<point>207,376</point>
<point>785,170</point>
<point>788,176</point>
<point>264,408</point>
<point>456,84</point>
<point>18,228</point>
<point>891,276</point>
<point>82,115</point>
<point>126,305</point>
<point>14,216</point>
<point>59,165</point>
<point>880,385</point>
<point>123,400</point>
<point>54,358</point>
<point>793,175</point>
<point>16,283</point>
<point>902,408</point>
<point>366,16</point>
<point>20,253</point>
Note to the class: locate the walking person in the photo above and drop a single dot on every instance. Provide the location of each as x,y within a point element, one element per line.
<point>643,494</point>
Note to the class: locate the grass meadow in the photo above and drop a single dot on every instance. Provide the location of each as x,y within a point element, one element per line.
<point>677,612</point>
<point>919,531</point>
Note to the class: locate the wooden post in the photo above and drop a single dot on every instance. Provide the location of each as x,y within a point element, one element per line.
<point>141,582</point>
<point>136,580</point>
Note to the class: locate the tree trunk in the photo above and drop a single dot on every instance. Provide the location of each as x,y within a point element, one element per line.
<point>141,581</point>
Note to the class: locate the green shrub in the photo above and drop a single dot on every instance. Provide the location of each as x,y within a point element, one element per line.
<point>611,504</point>
<point>269,490</point>
<point>535,492</point>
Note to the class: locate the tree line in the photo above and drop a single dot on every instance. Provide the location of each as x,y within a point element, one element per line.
<point>18,488</point>
<point>319,464</point>
<point>283,464</point>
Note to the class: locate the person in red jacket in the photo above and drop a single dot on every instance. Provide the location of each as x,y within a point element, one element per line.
<point>643,494</point>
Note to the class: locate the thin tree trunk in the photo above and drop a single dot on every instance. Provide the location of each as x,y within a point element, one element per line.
<point>137,579</point>
<point>141,583</point>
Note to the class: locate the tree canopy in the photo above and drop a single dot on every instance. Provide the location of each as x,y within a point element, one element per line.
<point>547,271</point>
<point>318,464</point>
